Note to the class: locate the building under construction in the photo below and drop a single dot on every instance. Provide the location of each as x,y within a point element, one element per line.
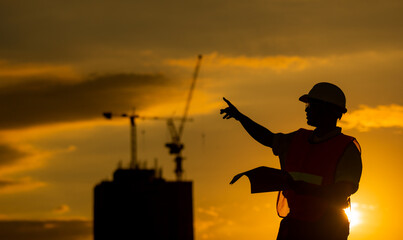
<point>139,204</point>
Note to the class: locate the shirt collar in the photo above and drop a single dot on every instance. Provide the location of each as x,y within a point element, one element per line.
<point>315,139</point>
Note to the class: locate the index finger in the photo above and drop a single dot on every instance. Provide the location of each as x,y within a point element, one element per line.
<point>228,102</point>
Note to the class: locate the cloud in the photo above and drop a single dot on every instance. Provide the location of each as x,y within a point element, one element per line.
<point>9,155</point>
<point>276,63</point>
<point>17,158</point>
<point>14,71</point>
<point>46,101</point>
<point>64,208</point>
<point>8,186</point>
<point>211,223</point>
<point>82,30</point>
<point>46,230</point>
<point>211,211</point>
<point>366,118</point>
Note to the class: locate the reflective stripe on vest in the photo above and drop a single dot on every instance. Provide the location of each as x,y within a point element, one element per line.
<point>306,177</point>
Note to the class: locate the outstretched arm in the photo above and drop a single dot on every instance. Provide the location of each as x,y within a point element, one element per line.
<point>258,132</point>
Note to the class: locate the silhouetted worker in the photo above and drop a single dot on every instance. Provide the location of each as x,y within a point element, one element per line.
<point>324,164</point>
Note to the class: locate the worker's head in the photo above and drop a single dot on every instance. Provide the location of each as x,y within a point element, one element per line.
<point>324,103</point>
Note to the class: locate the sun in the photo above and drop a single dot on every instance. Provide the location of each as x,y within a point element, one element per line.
<point>354,216</point>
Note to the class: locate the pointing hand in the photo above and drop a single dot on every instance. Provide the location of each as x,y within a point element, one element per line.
<point>231,111</point>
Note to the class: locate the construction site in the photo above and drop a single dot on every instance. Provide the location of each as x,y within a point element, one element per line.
<point>138,203</point>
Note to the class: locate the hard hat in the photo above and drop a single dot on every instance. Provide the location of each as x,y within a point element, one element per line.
<point>326,92</point>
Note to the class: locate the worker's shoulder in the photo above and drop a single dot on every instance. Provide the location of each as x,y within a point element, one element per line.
<point>354,143</point>
<point>287,137</point>
<point>283,136</point>
<point>301,130</point>
<point>301,133</point>
<point>354,146</point>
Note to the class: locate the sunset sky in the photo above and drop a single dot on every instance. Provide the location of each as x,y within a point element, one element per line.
<point>64,63</point>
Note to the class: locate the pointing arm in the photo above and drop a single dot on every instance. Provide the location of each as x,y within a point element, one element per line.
<point>258,132</point>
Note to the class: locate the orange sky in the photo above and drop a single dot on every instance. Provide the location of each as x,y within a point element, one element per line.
<point>64,63</point>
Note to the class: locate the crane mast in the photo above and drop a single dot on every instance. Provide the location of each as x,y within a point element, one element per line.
<point>176,146</point>
<point>133,140</point>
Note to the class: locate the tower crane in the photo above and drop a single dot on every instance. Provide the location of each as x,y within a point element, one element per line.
<point>134,164</point>
<point>176,146</point>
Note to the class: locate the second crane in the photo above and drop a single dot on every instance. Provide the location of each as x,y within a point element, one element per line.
<point>176,146</point>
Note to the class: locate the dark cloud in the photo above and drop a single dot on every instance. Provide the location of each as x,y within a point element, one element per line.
<point>59,31</point>
<point>7,183</point>
<point>47,101</point>
<point>9,155</point>
<point>8,186</point>
<point>45,230</point>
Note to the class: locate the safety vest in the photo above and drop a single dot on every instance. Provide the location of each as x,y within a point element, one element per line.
<point>313,163</point>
